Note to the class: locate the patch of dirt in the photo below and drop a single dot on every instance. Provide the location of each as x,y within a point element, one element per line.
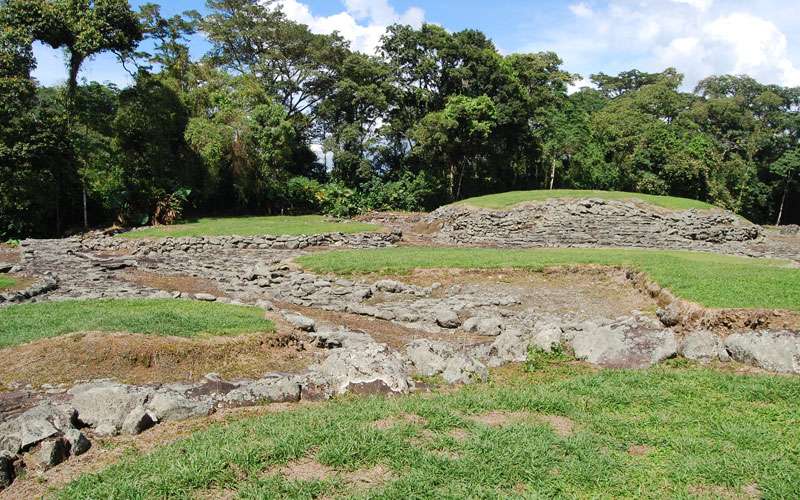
<point>459,435</point>
<point>386,332</point>
<point>20,283</point>
<point>580,291</point>
<point>173,283</point>
<point>306,469</point>
<point>9,254</point>
<point>393,421</point>
<point>369,478</point>
<point>145,359</point>
<point>562,426</point>
<point>639,450</point>
<point>109,450</point>
<point>724,492</point>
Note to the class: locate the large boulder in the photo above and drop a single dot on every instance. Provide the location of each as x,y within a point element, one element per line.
<point>446,318</point>
<point>513,344</point>
<point>626,344</point>
<point>429,357</point>
<point>105,406</point>
<point>703,346</point>
<point>363,368</point>
<point>774,351</point>
<point>6,469</point>
<point>275,388</point>
<point>168,405</point>
<point>33,426</point>
<point>464,369</point>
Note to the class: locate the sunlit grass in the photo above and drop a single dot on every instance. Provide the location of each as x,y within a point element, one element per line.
<point>254,226</point>
<point>509,199</point>
<point>712,280</point>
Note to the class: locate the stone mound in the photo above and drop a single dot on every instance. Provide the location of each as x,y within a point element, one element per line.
<point>591,222</point>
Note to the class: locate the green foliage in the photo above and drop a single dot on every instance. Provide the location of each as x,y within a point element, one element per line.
<point>659,433</point>
<point>434,117</point>
<point>538,359</point>
<point>29,322</point>
<point>712,280</point>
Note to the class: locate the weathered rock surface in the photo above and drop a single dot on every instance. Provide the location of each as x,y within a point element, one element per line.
<point>368,367</point>
<point>6,469</point>
<point>52,452</point>
<point>512,345</point>
<point>774,351</point>
<point>78,442</point>
<point>276,388</point>
<point>590,222</point>
<point>627,344</point>
<point>168,406</point>
<point>447,318</point>
<point>105,406</point>
<point>703,346</point>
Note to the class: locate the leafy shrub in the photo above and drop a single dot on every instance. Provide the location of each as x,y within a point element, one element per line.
<point>304,195</point>
<point>169,208</point>
<point>539,359</point>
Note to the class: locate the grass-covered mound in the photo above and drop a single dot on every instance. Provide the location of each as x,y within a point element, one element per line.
<point>509,199</point>
<point>6,282</point>
<point>712,280</point>
<point>562,432</point>
<point>254,226</point>
<point>29,322</point>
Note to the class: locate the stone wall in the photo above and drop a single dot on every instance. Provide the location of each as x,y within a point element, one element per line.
<point>210,243</point>
<point>591,222</point>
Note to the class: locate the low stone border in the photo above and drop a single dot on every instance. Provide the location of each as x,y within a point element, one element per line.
<point>266,242</point>
<point>42,285</point>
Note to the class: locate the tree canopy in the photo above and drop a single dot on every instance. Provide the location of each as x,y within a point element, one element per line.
<point>277,119</point>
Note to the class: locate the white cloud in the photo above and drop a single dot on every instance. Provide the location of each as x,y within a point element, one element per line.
<point>701,5</point>
<point>581,9</point>
<point>362,23</point>
<point>698,37</point>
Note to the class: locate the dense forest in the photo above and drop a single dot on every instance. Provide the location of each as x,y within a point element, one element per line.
<point>277,119</point>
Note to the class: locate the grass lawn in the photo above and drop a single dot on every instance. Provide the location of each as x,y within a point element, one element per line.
<point>6,281</point>
<point>668,432</point>
<point>509,199</point>
<point>27,322</point>
<point>254,226</point>
<point>713,280</point>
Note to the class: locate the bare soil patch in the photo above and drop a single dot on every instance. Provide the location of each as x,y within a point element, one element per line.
<point>145,359</point>
<point>459,435</point>
<point>369,478</point>
<point>639,450</point>
<point>724,492</point>
<point>393,421</point>
<point>173,283</point>
<point>306,469</point>
<point>20,283</point>
<point>9,254</point>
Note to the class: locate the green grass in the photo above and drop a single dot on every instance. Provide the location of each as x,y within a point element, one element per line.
<point>705,433</point>
<point>509,199</point>
<point>712,280</point>
<point>6,281</point>
<point>254,226</point>
<point>24,323</point>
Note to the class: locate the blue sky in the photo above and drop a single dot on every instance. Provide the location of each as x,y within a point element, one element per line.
<point>699,37</point>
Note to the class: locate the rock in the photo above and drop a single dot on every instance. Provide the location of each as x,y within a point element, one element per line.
<point>774,351</point>
<point>33,426</point>
<point>446,318</point>
<point>10,440</point>
<point>205,297</point>
<point>511,346</point>
<point>669,316</point>
<point>489,327</point>
<point>546,336</point>
<point>78,442</point>
<point>301,322</point>
<point>390,286</point>
<point>623,345</point>
<point>364,368</point>
<point>464,369</point>
<point>53,452</point>
<point>470,325</point>
<point>7,475</point>
<point>137,421</point>
<point>106,405</point>
<point>702,346</point>
<point>335,339</point>
<point>275,388</point>
<point>429,357</point>
<point>168,406</point>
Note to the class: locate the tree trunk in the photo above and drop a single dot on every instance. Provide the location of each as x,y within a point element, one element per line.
<point>85,212</point>
<point>783,201</point>
<point>552,174</point>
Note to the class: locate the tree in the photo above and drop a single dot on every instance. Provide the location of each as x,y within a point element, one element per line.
<point>456,137</point>
<point>787,169</point>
